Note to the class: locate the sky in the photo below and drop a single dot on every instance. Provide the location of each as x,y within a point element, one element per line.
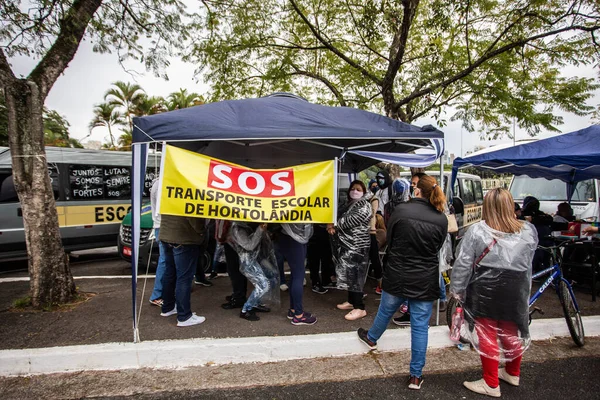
<point>90,75</point>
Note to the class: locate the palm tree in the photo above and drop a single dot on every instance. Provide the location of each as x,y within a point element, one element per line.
<point>181,99</point>
<point>125,140</point>
<point>149,105</point>
<point>125,95</point>
<point>107,115</point>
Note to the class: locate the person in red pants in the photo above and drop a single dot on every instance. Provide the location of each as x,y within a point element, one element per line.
<point>491,277</point>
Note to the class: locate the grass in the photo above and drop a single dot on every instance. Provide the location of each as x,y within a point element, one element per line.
<point>24,304</point>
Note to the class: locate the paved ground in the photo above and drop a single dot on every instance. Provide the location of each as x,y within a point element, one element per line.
<point>552,370</point>
<point>543,381</point>
<point>107,316</point>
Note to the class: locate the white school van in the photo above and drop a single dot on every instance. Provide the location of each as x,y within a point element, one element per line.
<point>551,193</point>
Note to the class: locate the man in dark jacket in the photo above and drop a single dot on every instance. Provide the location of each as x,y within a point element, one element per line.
<point>185,239</point>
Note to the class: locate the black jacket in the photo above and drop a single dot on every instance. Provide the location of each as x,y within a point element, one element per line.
<point>416,233</point>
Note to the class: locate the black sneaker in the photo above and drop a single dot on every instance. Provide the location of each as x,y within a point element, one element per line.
<point>213,275</point>
<point>415,383</point>
<point>261,308</point>
<point>364,337</point>
<point>231,304</point>
<point>330,285</point>
<point>403,320</point>
<point>203,282</point>
<point>249,315</point>
<point>319,289</point>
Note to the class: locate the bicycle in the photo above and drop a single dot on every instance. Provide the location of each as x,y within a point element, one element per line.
<point>564,291</point>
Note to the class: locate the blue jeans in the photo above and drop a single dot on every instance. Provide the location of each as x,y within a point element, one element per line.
<point>160,267</point>
<point>295,254</point>
<point>420,313</point>
<point>180,265</point>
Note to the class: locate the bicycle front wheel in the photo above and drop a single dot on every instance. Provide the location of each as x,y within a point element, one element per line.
<point>572,315</point>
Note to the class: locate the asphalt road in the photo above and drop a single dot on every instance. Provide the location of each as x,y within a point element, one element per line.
<point>575,378</point>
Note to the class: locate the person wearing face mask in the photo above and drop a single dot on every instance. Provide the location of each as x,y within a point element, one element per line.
<point>373,186</point>
<point>351,242</point>
<point>383,195</point>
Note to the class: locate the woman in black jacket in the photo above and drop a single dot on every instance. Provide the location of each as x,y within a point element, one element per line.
<point>416,233</point>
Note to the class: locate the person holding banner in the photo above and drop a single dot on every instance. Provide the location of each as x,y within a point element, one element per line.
<point>184,239</point>
<point>257,263</point>
<point>350,244</point>
<point>293,243</point>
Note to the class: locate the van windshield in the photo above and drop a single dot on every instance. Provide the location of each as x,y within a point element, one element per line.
<point>551,190</point>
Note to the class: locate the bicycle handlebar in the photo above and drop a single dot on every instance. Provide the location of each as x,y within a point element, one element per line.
<point>563,243</point>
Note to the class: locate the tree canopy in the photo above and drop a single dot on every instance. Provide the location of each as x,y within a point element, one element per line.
<point>492,61</point>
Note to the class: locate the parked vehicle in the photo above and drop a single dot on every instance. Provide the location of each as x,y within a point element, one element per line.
<point>467,199</point>
<point>551,193</point>
<point>92,189</point>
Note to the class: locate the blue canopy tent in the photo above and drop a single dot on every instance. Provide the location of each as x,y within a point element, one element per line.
<point>275,132</point>
<point>572,157</point>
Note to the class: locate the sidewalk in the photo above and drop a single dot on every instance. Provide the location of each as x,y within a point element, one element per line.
<point>195,382</point>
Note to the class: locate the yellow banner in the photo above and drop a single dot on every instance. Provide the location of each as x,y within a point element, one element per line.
<point>195,185</point>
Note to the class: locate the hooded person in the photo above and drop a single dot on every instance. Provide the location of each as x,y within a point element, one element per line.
<point>253,245</point>
<point>383,195</point>
<point>543,224</point>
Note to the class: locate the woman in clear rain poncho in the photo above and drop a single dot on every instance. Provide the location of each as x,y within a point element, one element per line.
<point>257,263</point>
<point>350,248</point>
<point>491,277</point>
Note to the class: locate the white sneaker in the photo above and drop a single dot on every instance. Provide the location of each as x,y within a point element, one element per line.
<point>193,320</point>
<point>283,287</point>
<point>482,388</point>
<point>169,313</point>
<point>508,378</point>
<point>304,283</point>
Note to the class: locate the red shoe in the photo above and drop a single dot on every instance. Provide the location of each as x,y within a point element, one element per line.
<point>378,289</point>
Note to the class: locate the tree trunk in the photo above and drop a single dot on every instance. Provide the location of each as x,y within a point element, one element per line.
<point>51,280</point>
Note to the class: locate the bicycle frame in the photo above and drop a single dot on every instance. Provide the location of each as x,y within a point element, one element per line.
<point>556,274</point>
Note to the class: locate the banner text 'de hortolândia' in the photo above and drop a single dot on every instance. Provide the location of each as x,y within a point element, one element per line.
<point>194,185</point>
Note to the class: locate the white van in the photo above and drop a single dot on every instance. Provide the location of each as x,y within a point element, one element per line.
<point>551,193</point>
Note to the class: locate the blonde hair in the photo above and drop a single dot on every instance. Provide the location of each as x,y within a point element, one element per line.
<point>432,192</point>
<point>499,211</point>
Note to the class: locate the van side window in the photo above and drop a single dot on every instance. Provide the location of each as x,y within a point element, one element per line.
<point>468,195</point>
<point>478,191</point>
<point>8,193</point>
<point>456,189</point>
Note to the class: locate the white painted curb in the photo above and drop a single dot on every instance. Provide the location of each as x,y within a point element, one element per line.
<point>170,354</point>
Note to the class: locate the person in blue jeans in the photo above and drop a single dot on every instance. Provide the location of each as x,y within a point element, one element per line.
<point>156,296</point>
<point>292,244</point>
<point>416,232</point>
<point>184,239</point>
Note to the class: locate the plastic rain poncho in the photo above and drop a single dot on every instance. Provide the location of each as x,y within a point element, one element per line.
<point>257,262</point>
<point>495,291</point>
<point>350,245</point>
<point>301,233</point>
